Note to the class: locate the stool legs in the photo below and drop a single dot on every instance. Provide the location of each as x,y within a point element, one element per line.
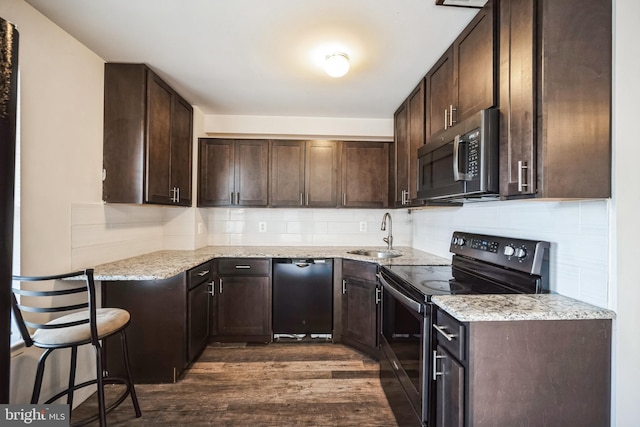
<point>100,383</point>
<point>132,390</point>
<point>72,375</point>
<point>39,374</point>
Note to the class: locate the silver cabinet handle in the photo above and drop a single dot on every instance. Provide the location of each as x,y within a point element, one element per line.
<point>243,267</point>
<point>212,289</point>
<point>405,197</point>
<point>238,198</point>
<point>307,195</point>
<point>344,199</point>
<point>444,333</point>
<point>435,365</point>
<point>231,198</point>
<point>203,273</point>
<point>220,289</point>
<point>451,110</point>
<point>378,295</point>
<point>446,119</point>
<point>301,199</point>
<point>344,286</point>
<point>522,166</point>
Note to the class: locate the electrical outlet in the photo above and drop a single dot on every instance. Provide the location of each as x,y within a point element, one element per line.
<point>262,227</point>
<point>200,227</point>
<point>363,225</point>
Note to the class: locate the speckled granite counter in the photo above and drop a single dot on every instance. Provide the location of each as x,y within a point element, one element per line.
<point>478,308</point>
<point>165,264</point>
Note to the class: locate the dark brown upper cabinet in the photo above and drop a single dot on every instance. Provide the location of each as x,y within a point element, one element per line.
<point>365,174</point>
<point>304,173</point>
<point>555,98</point>
<point>233,172</point>
<point>463,81</point>
<point>409,135</point>
<point>147,138</point>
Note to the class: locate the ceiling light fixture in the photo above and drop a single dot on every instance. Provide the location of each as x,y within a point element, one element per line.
<point>336,64</point>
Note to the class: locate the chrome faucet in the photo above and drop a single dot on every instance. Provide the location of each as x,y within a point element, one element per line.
<point>389,239</point>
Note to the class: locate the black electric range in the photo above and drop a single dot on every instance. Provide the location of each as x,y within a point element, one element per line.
<point>481,264</point>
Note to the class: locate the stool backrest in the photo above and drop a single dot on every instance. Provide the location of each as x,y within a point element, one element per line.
<point>37,300</point>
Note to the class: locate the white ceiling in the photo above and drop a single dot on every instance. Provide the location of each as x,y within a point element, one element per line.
<point>260,57</point>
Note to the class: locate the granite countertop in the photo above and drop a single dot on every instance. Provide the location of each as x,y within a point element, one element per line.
<point>479,308</point>
<point>165,264</point>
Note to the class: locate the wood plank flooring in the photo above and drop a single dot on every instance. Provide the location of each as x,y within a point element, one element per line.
<point>280,384</point>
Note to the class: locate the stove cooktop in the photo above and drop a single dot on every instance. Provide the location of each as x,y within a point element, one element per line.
<point>439,280</point>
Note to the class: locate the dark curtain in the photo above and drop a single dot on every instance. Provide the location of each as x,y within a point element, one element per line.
<point>8,105</point>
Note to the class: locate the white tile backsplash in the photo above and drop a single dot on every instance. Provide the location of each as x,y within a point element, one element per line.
<point>305,227</point>
<point>577,231</point>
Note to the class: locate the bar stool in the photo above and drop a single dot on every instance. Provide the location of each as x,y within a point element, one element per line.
<point>54,315</point>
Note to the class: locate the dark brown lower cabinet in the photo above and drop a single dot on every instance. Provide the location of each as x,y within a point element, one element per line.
<point>360,299</point>
<point>169,324</point>
<point>528,372</point>
<point>449,390</point>
<point>198,309</point>
<point>157,334</point>
<point>241,300</point>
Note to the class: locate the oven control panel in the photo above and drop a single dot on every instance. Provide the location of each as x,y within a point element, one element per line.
<point>529,256</point>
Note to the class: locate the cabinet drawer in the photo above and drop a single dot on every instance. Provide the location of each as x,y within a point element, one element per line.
<point>199,274</point>
<point>244,267</point>
<point>450,334</point>
<point>359,269</point>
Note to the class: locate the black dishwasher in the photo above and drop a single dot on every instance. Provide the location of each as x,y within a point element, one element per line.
<point>302,298</point>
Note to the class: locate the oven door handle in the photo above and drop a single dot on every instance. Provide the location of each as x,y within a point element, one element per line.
<point>405,300</point>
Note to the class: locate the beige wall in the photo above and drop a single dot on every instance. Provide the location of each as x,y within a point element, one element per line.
<point>61,144</point>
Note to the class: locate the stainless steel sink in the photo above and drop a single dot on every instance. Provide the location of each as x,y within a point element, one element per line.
<point>375,253</point>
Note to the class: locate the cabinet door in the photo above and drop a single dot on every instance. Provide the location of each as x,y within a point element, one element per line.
<point>474,65</point>
<point>251,172</point>
<point>440,94</point>
<point>244,306</point>
<point>321,174</point>
<point>359,312</point>
<point>287,173</point>
<point>197,319</point>
<point>416,132</point>
<point>159,99</point>
<point>365,174</point>
<point>181,152</point>
<point>449,390</point>
<point>517,97</point>
<point>216,172</point>
<point>401,145</point>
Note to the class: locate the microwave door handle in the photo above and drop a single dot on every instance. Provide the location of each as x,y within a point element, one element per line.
<point>457,176</point>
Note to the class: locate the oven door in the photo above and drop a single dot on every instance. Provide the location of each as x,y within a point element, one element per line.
<point>405,340</point>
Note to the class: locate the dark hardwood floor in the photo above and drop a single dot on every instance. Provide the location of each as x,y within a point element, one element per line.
<point>280,384</point>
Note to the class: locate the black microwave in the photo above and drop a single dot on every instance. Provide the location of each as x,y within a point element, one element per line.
<point>462,162</point>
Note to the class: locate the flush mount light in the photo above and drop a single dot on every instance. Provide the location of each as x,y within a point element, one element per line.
<point>336,64</point>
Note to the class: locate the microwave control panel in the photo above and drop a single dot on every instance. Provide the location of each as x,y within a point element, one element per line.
<point>473,154</point>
